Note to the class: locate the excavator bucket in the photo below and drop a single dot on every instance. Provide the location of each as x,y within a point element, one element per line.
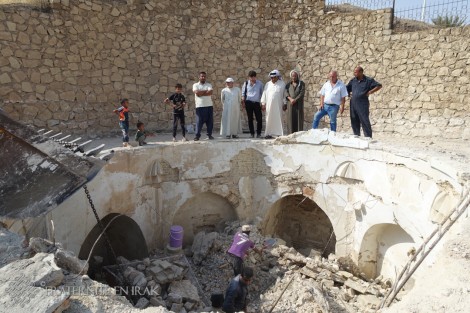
<point>37,174</point>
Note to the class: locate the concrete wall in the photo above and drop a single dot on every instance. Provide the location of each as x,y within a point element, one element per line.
<point>67,69</point>
<point>356,189</point>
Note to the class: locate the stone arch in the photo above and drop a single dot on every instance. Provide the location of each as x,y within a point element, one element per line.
<point>301,223</point>
<point>206,211</point>
<point>384,250</point>
<point>125,237</point>
<point>348,170</point>
<point>441,207</point>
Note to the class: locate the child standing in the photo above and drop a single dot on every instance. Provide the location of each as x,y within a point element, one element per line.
<point>179,102</point>
<point>123,112</point>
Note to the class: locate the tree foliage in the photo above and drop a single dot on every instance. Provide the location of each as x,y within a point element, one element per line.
<point>448,21</point>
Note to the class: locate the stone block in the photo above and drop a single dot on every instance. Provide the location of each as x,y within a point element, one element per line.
<point>185,289</point>
<point>68,261</point>
<point>51,95</point>
<point>67,95</point>
<point>11,26</point>
<point>21,282</point>
<point>142,303</point>
<point>115,12</point>
<point>6,36</point>
<point>52,123</point>
<point>201,245</point>
<point>39,245</point>
<point>14,63</point>
<point>157,301</point>
<point>360,287</point>
<point>164,272</point>
<point>5,78</point>
<point>176,307</point>
<point>23,38</point>
<point>174,297</point>
<point>26,87</point>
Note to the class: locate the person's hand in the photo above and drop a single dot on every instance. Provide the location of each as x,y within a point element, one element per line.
<point>341,110</point>
<point>263,107</point>
<point>174,106</point>
<point>243,104</point>
<point>321,106</point>
<point>166,100</point>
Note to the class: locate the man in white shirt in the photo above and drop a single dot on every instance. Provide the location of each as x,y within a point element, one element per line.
<point>251,97</point>
<point>332,99</point>
<point>204,107</point>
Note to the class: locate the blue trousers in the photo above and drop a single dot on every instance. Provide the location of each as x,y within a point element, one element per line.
<point>331,110</point>
<point>204,115</point>
<point>125,130</point>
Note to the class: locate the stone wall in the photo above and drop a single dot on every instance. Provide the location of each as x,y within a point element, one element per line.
<point>68,68</point>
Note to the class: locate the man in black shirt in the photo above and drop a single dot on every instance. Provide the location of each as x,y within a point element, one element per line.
<point>237,292</point>
<point>359,89</point>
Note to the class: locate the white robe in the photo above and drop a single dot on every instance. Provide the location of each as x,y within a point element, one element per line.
<point>231,122</point>
<point>273,98</point>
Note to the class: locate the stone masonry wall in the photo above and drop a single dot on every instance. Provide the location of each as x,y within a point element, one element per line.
<point>68,68</point>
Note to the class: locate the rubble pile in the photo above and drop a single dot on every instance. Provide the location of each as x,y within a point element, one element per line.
<point>43,277</point>
<point>287,279</point>
<point>164,282</point>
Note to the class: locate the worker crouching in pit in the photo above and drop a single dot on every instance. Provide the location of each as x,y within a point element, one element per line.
<point>240,248</point>
<point>237,292</point>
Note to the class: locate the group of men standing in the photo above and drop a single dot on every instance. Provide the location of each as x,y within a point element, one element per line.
<point>272,98</point>
<point>277,96</point>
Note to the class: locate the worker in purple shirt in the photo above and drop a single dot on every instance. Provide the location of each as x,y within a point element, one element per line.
<point>239,248</point>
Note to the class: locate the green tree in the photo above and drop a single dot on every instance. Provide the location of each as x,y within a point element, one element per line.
<point>448,21</point>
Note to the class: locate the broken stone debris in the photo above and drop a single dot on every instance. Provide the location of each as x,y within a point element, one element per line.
<point>12,247</point>
<point>23,285</point>
<point>42,245</point>
<point>202,243</point>
<point>161,283</point>
<point>68,261</point>
<point>318,284</point>
<point>311,283</point>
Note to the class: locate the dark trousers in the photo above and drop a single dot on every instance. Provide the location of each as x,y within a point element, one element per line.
<point>237,264</point>
<point>254,107</point>
<point>204,115</point>
<point>360,117</point>
<point>180,117</point>
<point>124,125</point>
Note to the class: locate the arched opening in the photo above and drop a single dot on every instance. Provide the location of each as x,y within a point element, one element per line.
<point>384,250</point>
<point>125,237</point>
<point>204,212</point>
<point>302,224</point>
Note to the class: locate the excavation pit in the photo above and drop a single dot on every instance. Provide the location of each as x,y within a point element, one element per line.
<point>344,203</point>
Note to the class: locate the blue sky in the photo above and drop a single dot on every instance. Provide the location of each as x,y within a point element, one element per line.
<point>407,4</point>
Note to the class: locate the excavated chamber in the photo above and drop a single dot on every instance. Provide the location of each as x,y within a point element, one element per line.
<point>316,190</point>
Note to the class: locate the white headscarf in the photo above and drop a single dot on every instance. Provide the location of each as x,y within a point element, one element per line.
<point>294,71</point>
<point>275,73</point>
